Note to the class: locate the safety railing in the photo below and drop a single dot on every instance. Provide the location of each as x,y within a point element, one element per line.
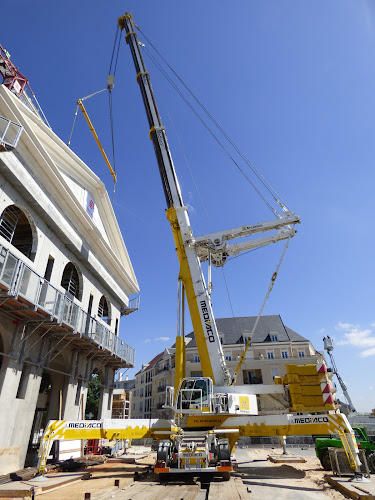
<point>21,281</point>
<point>9,133</point>
<point>133,305</point>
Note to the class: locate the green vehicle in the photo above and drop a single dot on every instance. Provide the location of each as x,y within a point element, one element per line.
<point>363,441</point>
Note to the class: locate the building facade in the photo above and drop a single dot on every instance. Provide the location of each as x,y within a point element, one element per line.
<point>122,398</point>
<point>65,282</point>
<point>273,346</point>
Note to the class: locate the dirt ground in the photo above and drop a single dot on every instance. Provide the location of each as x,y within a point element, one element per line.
<point>297,475</point>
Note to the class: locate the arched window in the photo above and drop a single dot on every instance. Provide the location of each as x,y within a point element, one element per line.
<point>103,310</point>
<point>15,228</point>
<point>70,280</point>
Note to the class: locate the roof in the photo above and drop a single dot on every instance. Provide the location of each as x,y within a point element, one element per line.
<point>151,363</point>
<point>234,330</point>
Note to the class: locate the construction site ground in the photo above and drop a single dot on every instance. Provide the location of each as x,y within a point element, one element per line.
<point>255,477</point>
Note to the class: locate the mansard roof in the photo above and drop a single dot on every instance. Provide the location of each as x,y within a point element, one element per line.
<point>234,330</point>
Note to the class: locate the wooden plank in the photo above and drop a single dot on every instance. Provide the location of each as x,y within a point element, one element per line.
<point>154,491</point>
<point>230,490</point>
<point>357,491</point>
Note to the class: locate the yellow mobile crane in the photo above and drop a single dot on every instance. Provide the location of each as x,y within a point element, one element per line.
<point>211,413</point>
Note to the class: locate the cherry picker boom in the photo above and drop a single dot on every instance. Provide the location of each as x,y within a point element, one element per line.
<point>211,413</point>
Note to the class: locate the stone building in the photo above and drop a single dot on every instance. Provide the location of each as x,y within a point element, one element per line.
<point>65,281</point>
<point>273,346</point>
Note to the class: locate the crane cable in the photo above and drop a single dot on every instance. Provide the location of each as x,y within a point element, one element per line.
<point>248,343</point>
<point>267,203</point>
<point>203,205</point>
<point>159,67</point>
<point>114,67</point>
<point>256,172</point>
<point>260,177</point>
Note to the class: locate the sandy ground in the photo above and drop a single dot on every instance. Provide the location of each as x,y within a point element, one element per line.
<point>309,474</point>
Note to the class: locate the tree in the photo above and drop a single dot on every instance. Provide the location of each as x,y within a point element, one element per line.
<point>93,396</point>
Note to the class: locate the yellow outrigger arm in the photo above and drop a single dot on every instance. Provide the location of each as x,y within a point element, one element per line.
<point>80,104</point>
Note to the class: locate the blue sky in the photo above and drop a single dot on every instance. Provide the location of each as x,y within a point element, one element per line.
<point>293,84</point>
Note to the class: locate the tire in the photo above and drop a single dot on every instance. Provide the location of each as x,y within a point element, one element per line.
<point>326,461</point>
<point>226,476</point>
<point>223,450</point>
<point>371,462</point>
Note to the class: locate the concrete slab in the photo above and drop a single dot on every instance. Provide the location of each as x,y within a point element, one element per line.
<point>286,459</point>
<point>353,489</point>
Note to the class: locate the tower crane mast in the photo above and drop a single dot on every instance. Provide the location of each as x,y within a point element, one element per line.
<point>328,346</point>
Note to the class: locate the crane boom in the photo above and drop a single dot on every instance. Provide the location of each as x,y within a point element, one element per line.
<point>192,251</point>
<point>206,334</point>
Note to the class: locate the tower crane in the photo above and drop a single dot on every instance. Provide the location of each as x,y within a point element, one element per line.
<point>328,346</point>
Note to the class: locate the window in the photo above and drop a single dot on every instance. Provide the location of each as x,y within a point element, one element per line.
<point>228,358</point>
<point>15,228</point>
<point>270,354</point>
<point>301,354</point>
<point>274,338</point>
<point>196,359</point>
<point>70,280</point>
<point>284,354</point>
<point>221,340</point>
<point>49,266</point>
<point>103,310</point>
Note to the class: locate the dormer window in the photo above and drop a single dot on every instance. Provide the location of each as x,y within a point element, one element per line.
<point>274,338</point>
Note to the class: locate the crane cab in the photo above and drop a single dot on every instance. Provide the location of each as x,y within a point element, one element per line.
<point>196,396</point>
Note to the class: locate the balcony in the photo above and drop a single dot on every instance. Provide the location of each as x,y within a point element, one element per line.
<point>27,296</point>
<point>162,388</point>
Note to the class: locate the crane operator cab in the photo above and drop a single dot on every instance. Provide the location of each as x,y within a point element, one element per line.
<point>196,395</point>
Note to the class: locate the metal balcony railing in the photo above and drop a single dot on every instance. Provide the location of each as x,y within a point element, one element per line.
<point>9,133</point>
<point>133,306</point>
<point>162,388</point>
<point>21,281</point>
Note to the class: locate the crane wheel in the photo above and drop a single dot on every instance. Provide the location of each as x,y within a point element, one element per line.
<point>226,476</point>
<point>326,461</point>
<point>371,462</point>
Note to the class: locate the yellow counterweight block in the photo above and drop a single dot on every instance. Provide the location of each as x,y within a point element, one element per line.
<point>310,388</point>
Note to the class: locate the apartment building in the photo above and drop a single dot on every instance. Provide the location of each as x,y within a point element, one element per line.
<point>65,280</point>
<point>273,346</point>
